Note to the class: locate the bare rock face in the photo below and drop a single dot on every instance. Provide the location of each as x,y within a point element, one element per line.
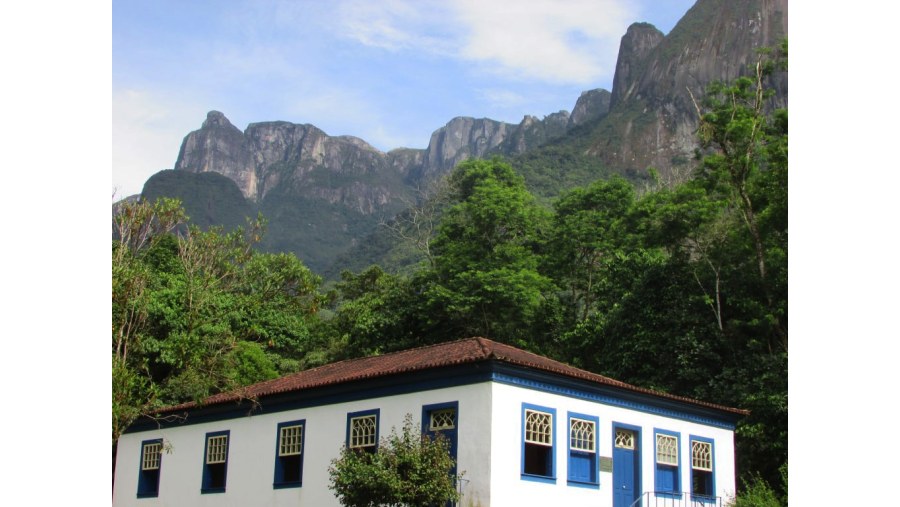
<point>636,44</point>
<point>532,132</point>
<point>301,157</point>
<point>652,120</point>
<point>464,138</point>
<point>220,147</point>
<point>591,105</point>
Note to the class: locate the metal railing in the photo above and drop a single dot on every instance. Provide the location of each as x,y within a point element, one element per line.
<point>668,499</point>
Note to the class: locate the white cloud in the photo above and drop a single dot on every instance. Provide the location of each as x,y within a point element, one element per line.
<point>570,41</point>
<point>573,41</point>
<point>398,24</point>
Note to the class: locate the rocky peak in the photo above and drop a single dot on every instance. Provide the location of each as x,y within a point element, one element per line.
<point>219,147</point>
<point>462,138</point>
<point>652,121</point>
<point>591,104</point>
<point>215,119</point>
<point>636,44</point>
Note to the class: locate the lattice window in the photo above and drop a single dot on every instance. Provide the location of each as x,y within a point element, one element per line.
<point>581,435</point>
<point>538,428</point>
<point>666,450</point>
<point>291,442</point>
<point>216,449</point>
<point>624,439</point>
<point>701,456</point>
<point>362,431</point>
<point>442,420</point>
<point>150,459</point>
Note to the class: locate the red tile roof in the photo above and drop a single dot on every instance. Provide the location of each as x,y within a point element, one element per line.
<point>466,351</point>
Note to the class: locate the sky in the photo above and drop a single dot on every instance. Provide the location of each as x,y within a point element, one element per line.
<point>390,72</point>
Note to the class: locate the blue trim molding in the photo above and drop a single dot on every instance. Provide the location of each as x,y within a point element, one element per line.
<point>444,377</point>
<point>612,397</point>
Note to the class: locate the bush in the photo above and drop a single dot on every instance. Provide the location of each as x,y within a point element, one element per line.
<point>758,493</point>
<point>409,469</point>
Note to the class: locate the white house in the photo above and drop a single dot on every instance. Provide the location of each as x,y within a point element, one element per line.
<point>525,430</point>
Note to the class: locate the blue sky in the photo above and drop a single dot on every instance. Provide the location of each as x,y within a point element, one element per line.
<point>390,72</point>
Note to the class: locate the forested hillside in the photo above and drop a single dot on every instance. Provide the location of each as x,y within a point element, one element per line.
<point>680,287</point>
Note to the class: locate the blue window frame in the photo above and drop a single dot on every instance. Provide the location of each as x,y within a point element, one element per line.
<point>538,443</point>
<point>668,461</point>
<point>290,438</point>
<point>215,461</point>
<point>442,418</point>
<point>583,448</point>
<point>703,468</point>
<point>362,430</point>
<point>150,466</point>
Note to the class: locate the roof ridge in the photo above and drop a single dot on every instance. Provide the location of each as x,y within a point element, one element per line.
<point>486,345</point>
<point>362,358</point>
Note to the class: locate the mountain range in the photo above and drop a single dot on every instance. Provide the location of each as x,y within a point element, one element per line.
<point>324,196</point>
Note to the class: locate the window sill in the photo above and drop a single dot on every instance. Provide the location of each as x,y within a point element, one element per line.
<point>539,478</point>
<point>286,485</point>
<point>583,484</point>
<point>207,491</point>
<point>703,499</point>
<point>148,495</point>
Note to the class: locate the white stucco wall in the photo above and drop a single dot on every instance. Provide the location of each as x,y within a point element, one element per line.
<point>489,452</point>
<point>509,488</point>
<point>251,454</point>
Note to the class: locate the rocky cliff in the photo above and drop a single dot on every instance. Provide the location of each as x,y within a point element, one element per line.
<point>322,193</point>
<point>652,121</point>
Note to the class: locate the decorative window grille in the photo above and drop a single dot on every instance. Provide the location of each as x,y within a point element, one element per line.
<point>150,459</point>
<point>624,439</point>
<point>362,432</point>
<point>291,441</point>
<point>701,456</point>
<point>538,428</point>
<point>217,449</point>
<point>666,450</point>
<point>581,435</point>
<point>442,420</point>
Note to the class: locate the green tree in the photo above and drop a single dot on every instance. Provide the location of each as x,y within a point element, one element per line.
<point>138,227</point>
<point>591,233</point>
<point>746,163</point>
<point>376,312</point>
<point>200,312</point>
<point>408,469</point>
<point>486,279</point>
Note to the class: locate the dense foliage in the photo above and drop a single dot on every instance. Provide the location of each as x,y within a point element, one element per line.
<point>198,312</point>
<point>682,288</point>
<point>408,469</point>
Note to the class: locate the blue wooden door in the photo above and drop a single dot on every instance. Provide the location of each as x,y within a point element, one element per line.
<point>626,467</point>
